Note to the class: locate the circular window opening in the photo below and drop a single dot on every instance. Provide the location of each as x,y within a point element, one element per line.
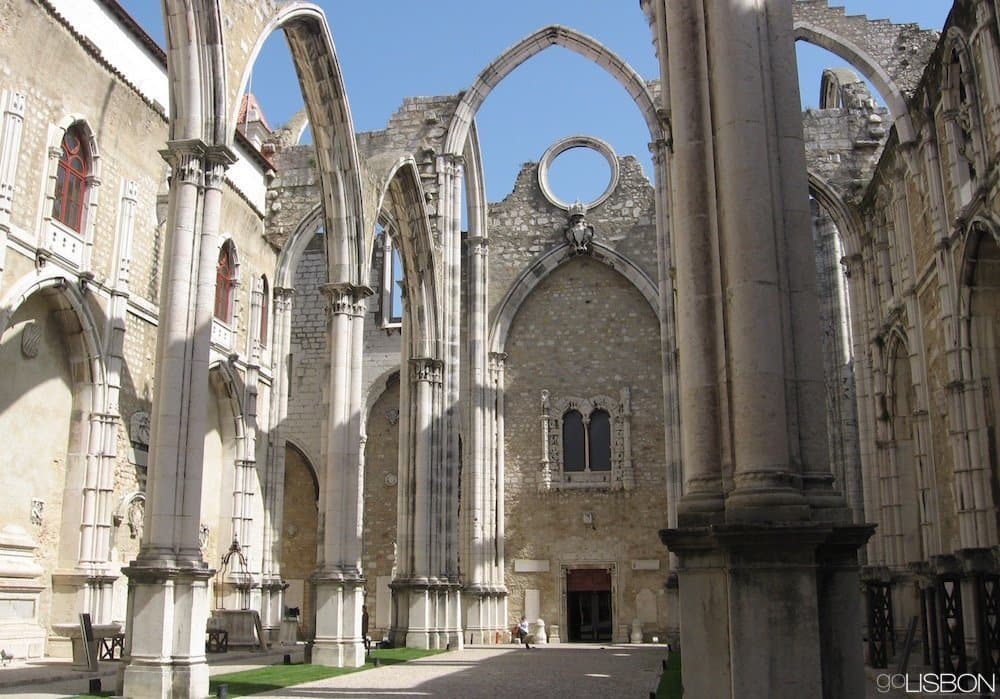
<point>579,174</point>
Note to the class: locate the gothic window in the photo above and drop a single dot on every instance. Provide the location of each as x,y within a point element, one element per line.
<point>574,441</point>
<point>225,282</point>
<point>586,442</point>
<point>599,441</point>
<point>960,122</point>
<point>265,305</point>
<point>71,180</point>
<point>392,278</point>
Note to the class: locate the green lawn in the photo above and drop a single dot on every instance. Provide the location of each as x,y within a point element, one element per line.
<point>272,677</point>
<point>670,681</point>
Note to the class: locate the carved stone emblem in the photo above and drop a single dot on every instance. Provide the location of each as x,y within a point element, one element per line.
<point>31,336</point>
<point>578,232</point>
<point>392,415</point>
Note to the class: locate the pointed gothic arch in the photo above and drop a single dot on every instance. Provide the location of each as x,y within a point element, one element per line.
<point>329,115</point>
<point>531,45</point>
<point>549,262</point>
<point>403,199</point>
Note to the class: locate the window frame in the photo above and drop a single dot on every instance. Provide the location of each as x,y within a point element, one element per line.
<point>555,475</point>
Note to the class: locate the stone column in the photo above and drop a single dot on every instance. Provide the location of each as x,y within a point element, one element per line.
<point>95,529</point>
<point>168,582</point>
<point>766,553</point>
<point>476,483</point>
<point>272,585</point>
<point>446,539</point>
<point>10,151</point>
<point>338,581</point>
<point>696,249</point>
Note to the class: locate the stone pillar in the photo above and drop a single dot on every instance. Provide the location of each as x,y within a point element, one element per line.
<point>696,249</point>
<point>168,582</point>
<point>766,553</point>
<point>10,151</point>
<point>338,581</point>
<point>272,586</point>
<point>477,487</point>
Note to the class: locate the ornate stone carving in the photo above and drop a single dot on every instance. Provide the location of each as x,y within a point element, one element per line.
<point>578,232</point>
<point>31,336</point>
<point>552,476</point>
<point>392,415</point>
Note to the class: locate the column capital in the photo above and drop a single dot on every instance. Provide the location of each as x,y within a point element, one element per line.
<point>345,297</point>
<point>426,369</point>
<point>478,245</point>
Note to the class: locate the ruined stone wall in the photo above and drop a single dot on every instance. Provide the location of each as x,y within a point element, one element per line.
<point>583,331</point>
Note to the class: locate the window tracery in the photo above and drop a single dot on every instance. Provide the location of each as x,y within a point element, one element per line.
<point>586,442</point>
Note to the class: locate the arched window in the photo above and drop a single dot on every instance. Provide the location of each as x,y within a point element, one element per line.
<point>574,442</point>
<point>265,305</point>
<point>71,180</point>
<point>599,440</point>
<point>225,282</point>
<point>392,277</point>
<point>586,442</point>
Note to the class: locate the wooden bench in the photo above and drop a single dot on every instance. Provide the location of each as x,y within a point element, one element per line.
<point>218,641</point>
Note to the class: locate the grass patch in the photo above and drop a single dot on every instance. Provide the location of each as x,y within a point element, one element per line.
<point>267,679</point>
<point>670,686</point>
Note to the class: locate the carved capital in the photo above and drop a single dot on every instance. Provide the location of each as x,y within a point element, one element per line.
<point>426,369</point>
<point>479,245</point>
<point>341,298</point>
<point>186,160</point>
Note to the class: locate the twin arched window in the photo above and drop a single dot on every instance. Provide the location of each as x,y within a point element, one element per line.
<point>586,443</point>
<point>71,180</point>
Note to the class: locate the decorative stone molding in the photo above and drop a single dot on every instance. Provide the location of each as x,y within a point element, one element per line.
<point>553,473</point>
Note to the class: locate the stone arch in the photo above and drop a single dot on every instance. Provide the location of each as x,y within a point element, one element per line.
<point>218,502</point>
<point>526,48</point>
<point>298,241</point>
<point>403,199</point>
<point>843,214</point>
<point>895,74</point>
<point>196,71</point>
<point>531,277</point>
<point>71,497</point>
<point>329,115</point>
<point>307,460</point>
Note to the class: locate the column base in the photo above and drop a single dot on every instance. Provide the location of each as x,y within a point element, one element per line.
<point>771,609</point>
<point>165,631</point>
<point>427,615</point>
<point>338,641</point>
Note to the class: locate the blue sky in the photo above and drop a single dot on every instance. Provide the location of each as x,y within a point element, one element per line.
<point>396,48</point>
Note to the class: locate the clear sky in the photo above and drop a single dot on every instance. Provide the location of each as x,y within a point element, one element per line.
<point>395,48</point>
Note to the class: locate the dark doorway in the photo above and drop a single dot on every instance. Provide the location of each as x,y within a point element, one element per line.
<point>588,601</point>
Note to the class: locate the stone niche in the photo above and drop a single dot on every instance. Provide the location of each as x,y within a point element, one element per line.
<point>20,592</point>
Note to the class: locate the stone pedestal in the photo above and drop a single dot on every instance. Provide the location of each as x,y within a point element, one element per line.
<point>165,636</point>
<point>427,614</point>
<point>780,616</point>
<point>20,592</point>
<point>338,641</point>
